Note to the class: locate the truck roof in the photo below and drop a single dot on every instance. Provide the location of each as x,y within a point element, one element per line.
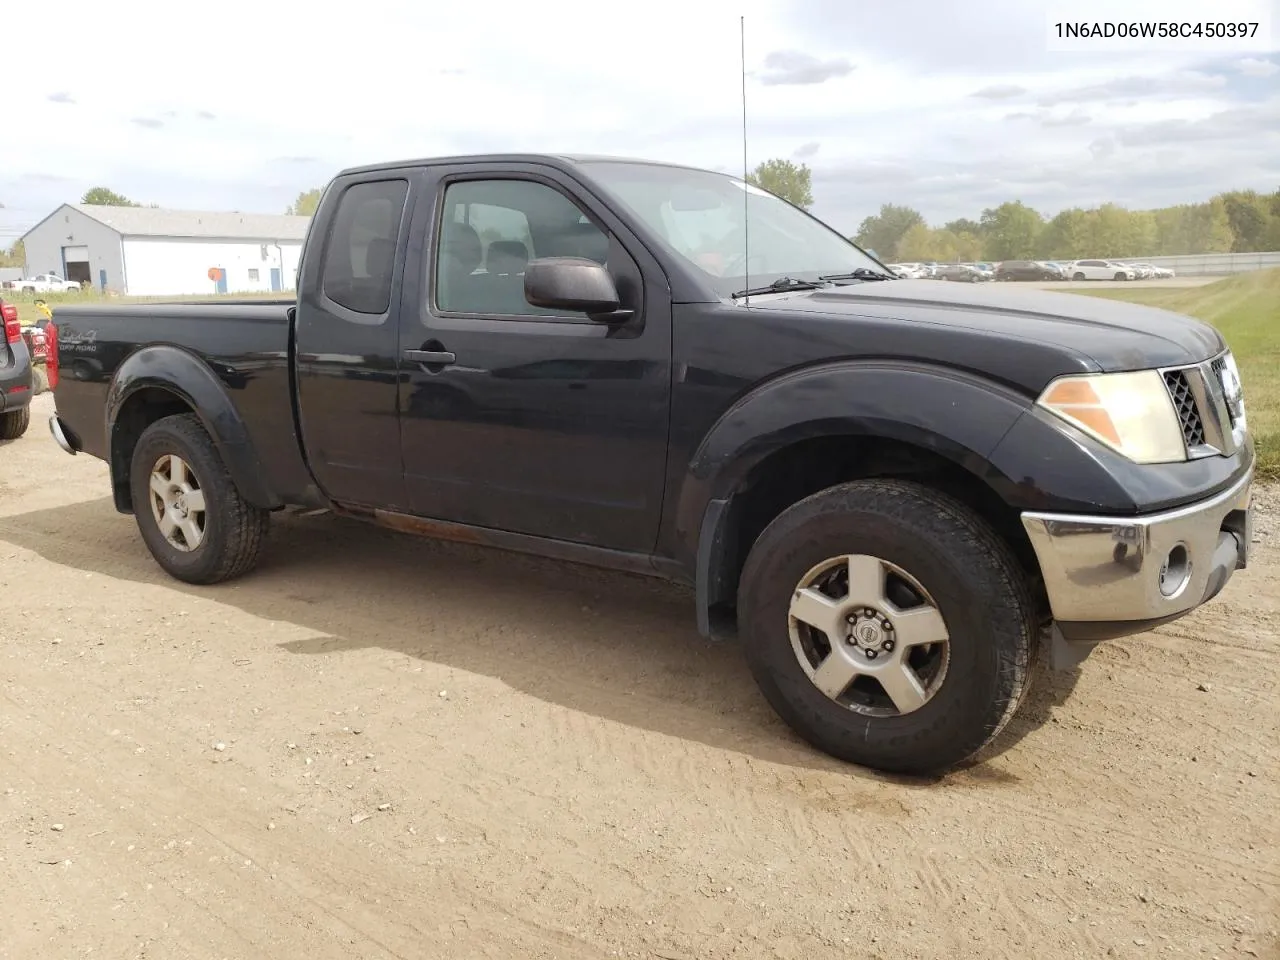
<point>554,159</point>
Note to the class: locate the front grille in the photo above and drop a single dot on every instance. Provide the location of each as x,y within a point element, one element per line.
<point>1184,402</point>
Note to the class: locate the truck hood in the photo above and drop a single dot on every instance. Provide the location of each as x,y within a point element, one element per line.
<point>1112,334</point>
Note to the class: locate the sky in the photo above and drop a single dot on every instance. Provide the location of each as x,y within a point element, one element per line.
<point>945,106</point>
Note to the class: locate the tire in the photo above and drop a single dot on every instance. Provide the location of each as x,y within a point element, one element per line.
<point>1078,276</point>
<point>975,582</point>
<point>39,380</point>
<point>1120,276</point>
<point>14,423</point>
<point>233,530</point>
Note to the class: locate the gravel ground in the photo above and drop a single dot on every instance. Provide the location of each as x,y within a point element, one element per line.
<point>378,747</point>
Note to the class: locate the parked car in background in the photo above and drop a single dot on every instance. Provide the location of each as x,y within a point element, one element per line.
<point>1155,272</point>
<point>1059,268</point>
<point>1025,270</point>
<point>959,272</point>
<point>15,376</point>
<point>910,271</point>
<point>1101,270</point>
<point>42,283</point>
<point>987,270</point>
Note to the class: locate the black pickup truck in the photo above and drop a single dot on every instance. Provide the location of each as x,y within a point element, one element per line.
<point>891,491</point>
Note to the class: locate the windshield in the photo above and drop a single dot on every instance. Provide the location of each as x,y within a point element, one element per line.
<point>700,215</point>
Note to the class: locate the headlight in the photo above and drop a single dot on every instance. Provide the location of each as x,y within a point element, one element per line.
<point>1131,413</point>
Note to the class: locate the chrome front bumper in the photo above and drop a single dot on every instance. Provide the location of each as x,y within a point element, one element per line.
<point>1148,568</point>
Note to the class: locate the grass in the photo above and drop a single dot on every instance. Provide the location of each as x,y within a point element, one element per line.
<point>1246,309</point>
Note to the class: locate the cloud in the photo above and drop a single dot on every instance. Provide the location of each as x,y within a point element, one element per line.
<point>1103,147</point>
<point>999,91</point>
<point>1074,119</point>
<point>1254,67</point>
<point>1154,87</point>
<point>60,97</point>
<point>792,68</point>
<point>1257,123</point>
<point>918,120</point>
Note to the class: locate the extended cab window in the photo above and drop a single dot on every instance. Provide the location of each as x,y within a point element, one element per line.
<point>489,232</point>
<point>362,246</point>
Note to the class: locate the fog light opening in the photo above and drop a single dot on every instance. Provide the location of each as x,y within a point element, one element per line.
<point>1175,572</point>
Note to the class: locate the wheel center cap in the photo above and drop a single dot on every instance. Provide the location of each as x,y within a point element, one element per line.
<point>868,633</point>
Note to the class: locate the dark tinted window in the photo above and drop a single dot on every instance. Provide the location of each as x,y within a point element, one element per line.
<point>362,245</point>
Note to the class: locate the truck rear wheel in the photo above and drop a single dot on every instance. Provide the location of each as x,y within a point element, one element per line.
<point>14,423</point>
<point>192,518</point>
<point>888,625</point>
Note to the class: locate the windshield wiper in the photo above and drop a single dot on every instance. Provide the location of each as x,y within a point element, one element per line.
<point>781,285</point>
<point>861,273</point>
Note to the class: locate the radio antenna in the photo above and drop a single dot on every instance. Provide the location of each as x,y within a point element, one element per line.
<point>746,184</point>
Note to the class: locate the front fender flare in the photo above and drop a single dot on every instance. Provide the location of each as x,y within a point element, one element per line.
<point>959,416</point>
<point>183,374</point>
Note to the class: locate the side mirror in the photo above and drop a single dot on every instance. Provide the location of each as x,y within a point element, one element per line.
<point>572,283</point>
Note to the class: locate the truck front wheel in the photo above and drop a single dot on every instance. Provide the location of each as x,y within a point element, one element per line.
<point>191,516</point>
<point>888,625</point>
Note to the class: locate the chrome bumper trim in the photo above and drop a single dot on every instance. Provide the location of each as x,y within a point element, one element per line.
<point>55,428</point>
<point>1109,568</point>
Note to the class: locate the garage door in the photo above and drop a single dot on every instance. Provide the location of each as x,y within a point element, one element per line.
<point>76,254</point>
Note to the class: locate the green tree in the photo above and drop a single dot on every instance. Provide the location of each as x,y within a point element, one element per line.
<point>15,256</point>
<point>883,232</point>
<point>1249,215</point>
<point>914,244</point>
<point>964,225</point>
<point>1117,232</point>
<point>305,205</point>
<point>1066,236</point>
<point>783,178</point>
<point>104,197</point>
<point>1010,231</point>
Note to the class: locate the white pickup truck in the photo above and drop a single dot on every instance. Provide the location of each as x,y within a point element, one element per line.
<point>43,283</point>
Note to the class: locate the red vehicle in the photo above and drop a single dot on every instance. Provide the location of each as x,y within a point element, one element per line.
<point>37,343</point>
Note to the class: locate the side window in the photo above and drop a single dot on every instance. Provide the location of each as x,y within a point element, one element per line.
<point>362,246</point>
<point>490,231</point>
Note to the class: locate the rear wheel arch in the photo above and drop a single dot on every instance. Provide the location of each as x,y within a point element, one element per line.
<point>163,380</point>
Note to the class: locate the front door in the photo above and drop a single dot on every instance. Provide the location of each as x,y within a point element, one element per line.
<point>347,333</point>
<point>526,419</point>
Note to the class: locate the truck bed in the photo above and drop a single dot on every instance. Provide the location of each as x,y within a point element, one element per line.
<point>246,343</point>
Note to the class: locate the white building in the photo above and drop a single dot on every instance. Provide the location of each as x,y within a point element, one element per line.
<point>143,251</point>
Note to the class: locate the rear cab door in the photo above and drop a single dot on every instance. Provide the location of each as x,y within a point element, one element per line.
<point>347,337</point>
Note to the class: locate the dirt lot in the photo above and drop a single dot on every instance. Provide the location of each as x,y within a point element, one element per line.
<point>381,747</point>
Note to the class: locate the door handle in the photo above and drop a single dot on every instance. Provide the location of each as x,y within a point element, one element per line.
<point>431,358</point>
